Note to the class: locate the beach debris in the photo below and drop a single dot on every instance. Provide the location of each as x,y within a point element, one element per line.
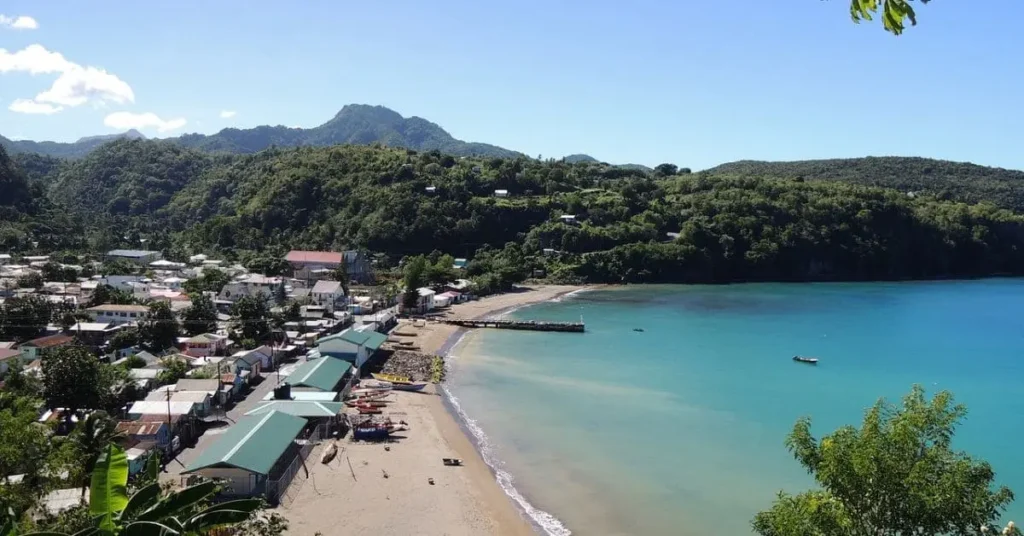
<point>387,449</point>
<point>452,461</point>
<point>349,460</point>
<point>431,481</point>
<point>416,365</point>
<point>386,475</point>
<point>329,453</point>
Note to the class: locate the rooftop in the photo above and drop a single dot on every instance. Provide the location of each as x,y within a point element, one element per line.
<point>50,341</point>
<point>324,374</point>
<point>299,408</point>
<point>368,338</point>
<point>314,257</point>
<point>152,407</point>
<point>254,444</point>
<point>6,353</point>
<point>131,253</point>
<point>204,386</point>
<point>326,287</point>
<point>140,427</point>
<point>116,308</point>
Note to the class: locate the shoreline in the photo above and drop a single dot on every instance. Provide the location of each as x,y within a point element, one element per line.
<point>455,424</point>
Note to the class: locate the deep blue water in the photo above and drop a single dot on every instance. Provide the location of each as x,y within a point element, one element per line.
<point>680,429</point>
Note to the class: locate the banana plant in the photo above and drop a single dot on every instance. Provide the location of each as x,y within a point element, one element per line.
<point>148,512</point>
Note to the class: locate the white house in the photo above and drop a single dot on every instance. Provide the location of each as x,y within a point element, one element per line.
<point>167,265</point>
<point>153,407</point>
<point>426,299</point>
<point>251,285</point>
<point>117,314</point>
<point>121,282</point>
<point>205,345</point>
<point>329,294</point>
<point>501,193</point>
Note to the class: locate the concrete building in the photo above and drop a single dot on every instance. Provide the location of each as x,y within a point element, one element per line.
<point>137,256</point>
<point>117,314</point>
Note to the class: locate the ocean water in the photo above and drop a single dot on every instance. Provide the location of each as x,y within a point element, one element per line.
<point>679,429</point>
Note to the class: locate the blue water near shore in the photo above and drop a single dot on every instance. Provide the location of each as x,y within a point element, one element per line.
<point>679,429</point>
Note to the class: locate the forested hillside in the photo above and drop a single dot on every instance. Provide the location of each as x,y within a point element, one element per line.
<point>941,178</point>
<point>629,225</point>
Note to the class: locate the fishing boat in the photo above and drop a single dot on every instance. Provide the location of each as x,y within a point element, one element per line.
<point>391,378</point>
<point>419,386</point>
<point>808,360</point>
<point>369,393</point>
<point>366,403</point>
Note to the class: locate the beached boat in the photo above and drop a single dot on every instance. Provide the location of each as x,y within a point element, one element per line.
<point>368,393</point>
<point>391,378</point>
<point>367,410</point>
<point>808,360</point>
<point>410,386</point>
<point>367,403</point>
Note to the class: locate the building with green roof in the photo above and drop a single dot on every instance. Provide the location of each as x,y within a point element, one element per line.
<point>245,455</point>
<point>299,408</point>
<point>324,374</point>
<point>354,346</point>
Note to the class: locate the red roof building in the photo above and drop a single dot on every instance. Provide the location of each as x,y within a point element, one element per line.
<point>313,258</point>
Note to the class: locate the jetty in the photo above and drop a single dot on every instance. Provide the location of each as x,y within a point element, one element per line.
<point>524,325</point>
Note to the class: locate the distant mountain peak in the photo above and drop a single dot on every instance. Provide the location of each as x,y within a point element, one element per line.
<point>131,135</point>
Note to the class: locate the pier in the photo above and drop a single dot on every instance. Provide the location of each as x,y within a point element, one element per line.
<point>525,325</point>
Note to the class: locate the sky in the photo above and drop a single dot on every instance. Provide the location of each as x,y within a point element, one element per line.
<point>690,82</point>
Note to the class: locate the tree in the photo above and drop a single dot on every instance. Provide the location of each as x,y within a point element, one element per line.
<point>341,274</point>
<point>125,338</point>
<point>269,265</point>
<point>72,380</point>
<point>31,280</point>
<point>897,475</point>
<point>104,294</point>
<point>91,438</point>
<point>119,267</point>
<point>666,170</point>
<point>212,280</point>
<point>25,317</point>
<point>159,330</point>
<point>251,315</point>
<point>174,370</point>
<point>280,295</point>
<point>442,271</point>
<point>415,277</point>
<point>201,316</point>
<point>895,13</point>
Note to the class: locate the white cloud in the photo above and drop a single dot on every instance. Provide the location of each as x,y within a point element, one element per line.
<point>228,114</point>
<point>18,23</point>
<point>75,85</point>
<point>26,106</point>
<point>128,120</point>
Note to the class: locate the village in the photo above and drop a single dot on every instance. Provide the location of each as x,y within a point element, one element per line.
<point>236,395</point>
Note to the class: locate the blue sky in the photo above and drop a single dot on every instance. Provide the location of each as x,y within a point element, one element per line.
<point>643,81</point>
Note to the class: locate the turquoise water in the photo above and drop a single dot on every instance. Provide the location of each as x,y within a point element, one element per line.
<point>679,429</point>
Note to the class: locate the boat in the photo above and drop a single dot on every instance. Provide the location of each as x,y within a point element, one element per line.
<point>391,378</point>
<point>366,403</point>
<point>808,360</point>
<point>410,386</point>
<point>639,330</point>
<point>366,410</point>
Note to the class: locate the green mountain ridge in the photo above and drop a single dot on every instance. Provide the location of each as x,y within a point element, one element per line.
<point>719,226</point>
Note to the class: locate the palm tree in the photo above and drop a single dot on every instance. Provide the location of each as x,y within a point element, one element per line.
<point>91,437</point>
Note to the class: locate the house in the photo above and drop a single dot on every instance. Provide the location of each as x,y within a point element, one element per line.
<point>202,400</point>
<point>425,302</point>
<point>242,457</point>
<point>352,345</point>
<point>210,387</point>
<point>173,283</point>
<point>330,294</point>
<point>264,356</point>
<point>501,193</point>
<point>248,365</point>
<point>5,258</point>
<point>123,282</point>
<point>161,409</point>
<point>446,299</point>
<point>314,265</point>
<point>460,264</point>
<point>206,345</point>
<point>117,314</point>
<point>138,432</point>
<point>94,334</point>
<point>167,265</point>
<point>251,285</point>
<point>137,256</point>
<point>7,357</point>
<point>325,374</point>
<point>183,426</point>
<point>568,218</point>
<point>37,348</point>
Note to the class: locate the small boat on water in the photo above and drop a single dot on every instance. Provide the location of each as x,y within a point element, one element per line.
<point>808,360</point>
<point>638,330</point>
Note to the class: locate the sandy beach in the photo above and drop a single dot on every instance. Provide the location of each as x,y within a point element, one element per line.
<point>386,489</point>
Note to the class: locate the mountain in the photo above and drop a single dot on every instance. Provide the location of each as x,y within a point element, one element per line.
<point>131,135</point>
<point>960,181</point>
<point>77,149</point>
<point>576,158</point>
<point>355,124</point>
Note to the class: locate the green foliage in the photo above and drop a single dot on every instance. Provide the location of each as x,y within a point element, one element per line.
<point>135,362</point>
<point>159,330</point>
<point>104,294</point>
<point>251,317</point>
<point>895,13</point>
<point>72,379</point>
<point>126,338</point>
<point>174,370</point>
<point>415,277</point>
<point>91,438</point>
<point>212,280</point>
<point>119,266</point>
<point>108,493</point>
<point>201,316</point>
<point>53,271</point>
<point>25,317</point>
<point>897,474</point>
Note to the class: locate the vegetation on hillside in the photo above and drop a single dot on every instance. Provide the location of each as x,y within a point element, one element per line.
<point>629,225</point>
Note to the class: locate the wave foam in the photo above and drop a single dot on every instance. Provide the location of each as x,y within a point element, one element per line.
<point>547,522</point>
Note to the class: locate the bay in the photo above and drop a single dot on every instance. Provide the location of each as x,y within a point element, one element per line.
<point>679,429</point>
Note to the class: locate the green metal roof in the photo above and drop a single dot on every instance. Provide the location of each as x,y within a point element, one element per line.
<point>299,408</point>
<point>253,444</point>
<point>368,338</point>
<point>324,373</point>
